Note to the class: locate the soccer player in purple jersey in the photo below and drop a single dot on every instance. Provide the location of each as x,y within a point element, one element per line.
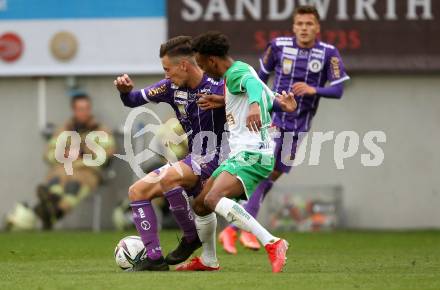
<point>248,102</point>
<point>185,85</point>
<point>309,68</point>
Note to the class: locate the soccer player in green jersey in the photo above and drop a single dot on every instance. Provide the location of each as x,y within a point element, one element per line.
<point>249,103</point>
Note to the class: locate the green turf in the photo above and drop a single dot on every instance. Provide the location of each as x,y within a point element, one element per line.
<point>343,260</point>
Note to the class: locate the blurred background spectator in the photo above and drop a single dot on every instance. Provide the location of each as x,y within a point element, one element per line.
<point>60,193</point>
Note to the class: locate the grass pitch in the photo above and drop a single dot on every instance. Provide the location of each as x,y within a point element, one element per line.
<point>342,260</point>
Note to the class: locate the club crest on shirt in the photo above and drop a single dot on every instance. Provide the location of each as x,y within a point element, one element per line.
<point>315,66</point>
<point>287,65</point>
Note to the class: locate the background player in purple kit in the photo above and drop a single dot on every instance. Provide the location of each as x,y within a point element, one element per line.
<point>184,85</point>
<point>309,68</point>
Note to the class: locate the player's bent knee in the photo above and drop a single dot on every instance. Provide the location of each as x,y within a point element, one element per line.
<point>199,208</point>
<point>170,180</point>
<point>211,201</point>
<point>132,195</point>
<point>135,194</point>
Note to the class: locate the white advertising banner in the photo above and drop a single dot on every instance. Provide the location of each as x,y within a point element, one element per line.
<point>43,38</point>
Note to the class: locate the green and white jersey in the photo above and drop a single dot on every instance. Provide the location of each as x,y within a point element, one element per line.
<point>242,88</point>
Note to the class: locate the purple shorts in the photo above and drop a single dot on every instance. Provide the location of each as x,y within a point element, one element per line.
<point>285,149</point>
<point>201,166</point>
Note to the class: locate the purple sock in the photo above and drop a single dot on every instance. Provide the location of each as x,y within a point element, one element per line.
<point>181,209</point>
<point>253,204</point>
<point>146,224</point>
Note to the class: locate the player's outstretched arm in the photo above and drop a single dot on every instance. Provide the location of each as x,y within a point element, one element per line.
<point>303,89</point>
<point>125,86</point>
<point>332,92</point>
<point>156,93</point>
<point>209,102</point>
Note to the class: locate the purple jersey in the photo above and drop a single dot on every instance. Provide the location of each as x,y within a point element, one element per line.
<point>315,66</point>
<point>184,103</point>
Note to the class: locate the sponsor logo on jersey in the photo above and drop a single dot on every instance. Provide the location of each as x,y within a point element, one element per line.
<point>317,53</point>
<point>205,91</point>
<point>287,66</point>
<point>315,66</point>
<point>334,61</point>
<point>284,43</point>
<point>212,81</point>
<point>290,50</point>
<point>230,119</point>
<point>317,50</point>
<point>156,91</point>
<point>314,55</point>
<point>180,97</point>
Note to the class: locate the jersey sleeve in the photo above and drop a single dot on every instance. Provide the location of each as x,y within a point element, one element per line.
<point>267,62</point>
<point>156,93</point>
<point>237,80</point>
<point>254,89</point>
<point>242,80</point>
<point>336,73</point>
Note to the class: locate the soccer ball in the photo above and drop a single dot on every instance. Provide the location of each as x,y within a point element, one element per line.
<point>129,251</point>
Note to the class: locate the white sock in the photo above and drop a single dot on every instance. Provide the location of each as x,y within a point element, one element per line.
<point>206,229</point>
<point>236,214</point>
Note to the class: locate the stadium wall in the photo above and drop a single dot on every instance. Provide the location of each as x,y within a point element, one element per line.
<point>403,192</point>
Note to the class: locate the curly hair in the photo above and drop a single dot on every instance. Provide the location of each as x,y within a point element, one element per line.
<point>212,43</point>
<point>177,46</point>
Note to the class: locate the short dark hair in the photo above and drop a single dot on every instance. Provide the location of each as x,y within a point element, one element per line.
<point>177,46</point>
<point>211,43</point>
<point>306,9</point>
<point>79,97</point>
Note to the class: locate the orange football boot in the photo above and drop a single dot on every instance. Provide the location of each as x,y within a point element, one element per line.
<point>227,238</point>
<point>277,254</point>
<point>195,264</point>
